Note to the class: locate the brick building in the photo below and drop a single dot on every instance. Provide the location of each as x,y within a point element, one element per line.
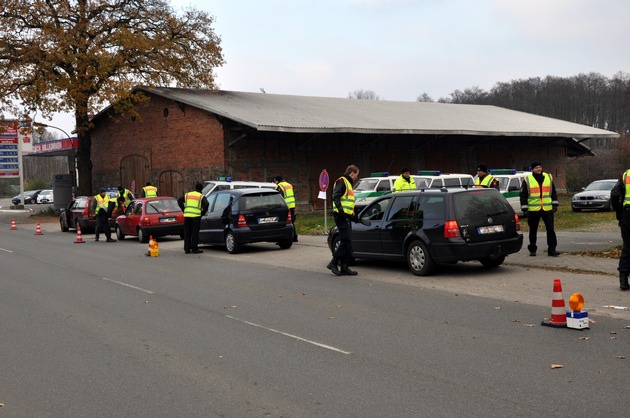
<point>184,135</point>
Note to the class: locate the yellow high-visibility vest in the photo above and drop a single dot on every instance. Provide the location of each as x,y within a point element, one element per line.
<point>289,197</point>
<point>347,200</point>
<point>539,198</point>
<point>192,204</point>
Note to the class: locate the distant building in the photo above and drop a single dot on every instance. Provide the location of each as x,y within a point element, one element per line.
<point>186,135</point>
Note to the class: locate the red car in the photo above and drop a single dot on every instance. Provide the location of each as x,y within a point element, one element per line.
<point>151,216</point>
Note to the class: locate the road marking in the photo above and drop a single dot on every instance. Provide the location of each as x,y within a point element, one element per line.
<point>128,285</point>
<point>8,251</point>
<point>328,347</point>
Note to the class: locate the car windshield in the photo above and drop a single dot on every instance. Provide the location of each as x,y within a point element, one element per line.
<point>601,185</point>
<point>162,206</point>
<point>365,185</point>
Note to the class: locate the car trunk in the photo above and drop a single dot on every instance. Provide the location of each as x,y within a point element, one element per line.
<point>483,215</point>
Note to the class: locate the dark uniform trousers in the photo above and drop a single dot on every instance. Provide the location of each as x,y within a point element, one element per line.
<point>344,251</point>
<point>624,259</point>
<point>533,219</point>
<point>102,222</point>
<point>192,225</point>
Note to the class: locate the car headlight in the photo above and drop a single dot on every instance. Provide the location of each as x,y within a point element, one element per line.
<point>575,198</point>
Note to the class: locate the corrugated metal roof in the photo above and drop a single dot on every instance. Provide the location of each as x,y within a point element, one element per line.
<point>285,113</point>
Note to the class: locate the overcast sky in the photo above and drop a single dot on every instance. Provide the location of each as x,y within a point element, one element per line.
<point>402,48</point>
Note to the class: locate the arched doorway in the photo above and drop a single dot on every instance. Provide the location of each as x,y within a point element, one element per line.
<point>171,184</point>
<point>134,169</point>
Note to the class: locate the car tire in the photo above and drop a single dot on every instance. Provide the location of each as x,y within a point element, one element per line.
<point>231,245</point>
<point>335,244</point>
<point>492,262</point>
<point>63,228</point>
<point>419,260</point>
<point>286,244</point>
<point>142,236</point>
<point>119,234</point>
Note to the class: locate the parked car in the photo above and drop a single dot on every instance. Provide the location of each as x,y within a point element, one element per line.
<point>30,197</point>
<point>45,196</point>
<point>596,196</point>
<point>79,213</point>
<point>242,216</point>
<point>151,216</point>
<point>430,227</point>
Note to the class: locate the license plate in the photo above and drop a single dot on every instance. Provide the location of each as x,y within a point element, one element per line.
<point>492,229</point>
<point>167,220</point>
<point>269,220</point>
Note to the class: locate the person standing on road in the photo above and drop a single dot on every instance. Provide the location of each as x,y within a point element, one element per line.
<point>101,209</point>
<point>343,213</point>
<point>286,189</point>
<point>149,190</point>
<point>404,181</point>
<point>484,178</point>
<point>620,200</point>
<point>195,205</point>
<point>539,200</point>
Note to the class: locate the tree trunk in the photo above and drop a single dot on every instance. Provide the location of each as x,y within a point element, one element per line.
<point>84,154</point>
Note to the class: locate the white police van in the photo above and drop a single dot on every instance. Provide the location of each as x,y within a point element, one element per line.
<point>227,183</point>
<point>378,184</point>
<point>510,185</point>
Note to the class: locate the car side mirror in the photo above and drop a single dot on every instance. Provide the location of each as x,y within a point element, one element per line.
<point>365,222</point>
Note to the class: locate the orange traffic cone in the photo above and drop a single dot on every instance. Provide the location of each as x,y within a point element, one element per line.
<point>150,242</point>
<point>79,239</point>
<point>558,312</point>
<point>13,225</point>
<point>38,230</point>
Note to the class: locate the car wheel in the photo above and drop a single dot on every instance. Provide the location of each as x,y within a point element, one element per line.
<point>492,262</point>
<point>419,260</point>
<point>142,236</point>
<point>230,243</point>
<point>286,244</point>
<point>63,228</point>
<point>119,234</point>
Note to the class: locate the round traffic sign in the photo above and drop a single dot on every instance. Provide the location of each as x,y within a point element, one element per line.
<point>323,181</point>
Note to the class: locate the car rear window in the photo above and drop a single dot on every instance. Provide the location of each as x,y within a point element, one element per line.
<point>164,205</point>
<point>479,204</point>
<point>261,201</point>
<point>366,185</point>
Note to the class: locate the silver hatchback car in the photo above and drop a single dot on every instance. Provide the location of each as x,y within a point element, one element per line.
<point>596,196</point>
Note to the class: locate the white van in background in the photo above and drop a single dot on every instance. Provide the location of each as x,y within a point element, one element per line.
<point>226,183</point>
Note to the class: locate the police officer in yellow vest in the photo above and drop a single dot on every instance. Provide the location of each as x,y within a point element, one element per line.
<point>149,190</point>
<point>343,213</point>
<point>102,210</point>
<point>195,205</point>
<point>539,200</point>
<point>405,182</point>
<point>484,178</point>
<point>286,189</point>
<point>620,200</point>
<point>124,198</point>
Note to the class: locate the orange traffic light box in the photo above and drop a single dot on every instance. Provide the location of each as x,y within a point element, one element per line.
<point>576,317</point>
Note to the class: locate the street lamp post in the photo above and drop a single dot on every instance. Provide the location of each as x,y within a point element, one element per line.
<point>43,125</point>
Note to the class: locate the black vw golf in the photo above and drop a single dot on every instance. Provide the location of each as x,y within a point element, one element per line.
<point>242,216</point>
<point>436,226</point>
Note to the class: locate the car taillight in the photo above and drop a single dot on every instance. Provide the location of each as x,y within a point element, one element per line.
<point>451,229</point>
<point>242,223</point>
<point>518,223</point>
<point>86,211</point>
<point>146,221</point>
<point>289,218</point>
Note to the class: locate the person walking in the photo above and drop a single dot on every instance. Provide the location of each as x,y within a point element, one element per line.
<point>101,209</point>
<point>286,189</point>
<point>124,198</point>
<point>404,181</point>
<point>195,205</point>
<point>149,190</point>
<point>343,213</point>
<point>539,200</point>
<point>620,200</point>
<point>484,178</point>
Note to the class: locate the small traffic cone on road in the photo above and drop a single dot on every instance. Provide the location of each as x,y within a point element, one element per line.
<point>13,225</point>
<point>38,230</point>
<point>79,239</point>
<point>558,313</point>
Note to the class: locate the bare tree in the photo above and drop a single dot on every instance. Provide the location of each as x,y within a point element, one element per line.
<point>363,95</point>
<point>424,97</point>
<point>79,55</point>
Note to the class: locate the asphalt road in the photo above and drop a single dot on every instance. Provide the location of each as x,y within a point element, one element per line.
<point>99,329</point>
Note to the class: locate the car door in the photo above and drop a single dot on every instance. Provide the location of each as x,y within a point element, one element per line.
<point>213,223</point>
<point>366,234</point>
<point>400,220</point>
<point>125,221</point>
